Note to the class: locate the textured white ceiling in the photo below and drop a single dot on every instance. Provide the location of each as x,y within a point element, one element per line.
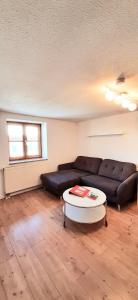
<point>55,55</point>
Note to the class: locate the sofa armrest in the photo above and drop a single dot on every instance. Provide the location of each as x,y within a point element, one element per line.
<point>127,188</point>
<point>66,166</point>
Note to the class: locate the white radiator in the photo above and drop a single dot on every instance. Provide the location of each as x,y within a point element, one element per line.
<point>21,177</point>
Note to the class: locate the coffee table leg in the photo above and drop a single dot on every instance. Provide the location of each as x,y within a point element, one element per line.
<point>105,219</point>
<point>64,223</point>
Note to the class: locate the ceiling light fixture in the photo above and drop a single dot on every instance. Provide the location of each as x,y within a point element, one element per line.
<point>121,79</point>
<point>132,106</point>
<point>125,102</point>
<point>118,99</point>
<point>109,95</point>
<point>121,98</point>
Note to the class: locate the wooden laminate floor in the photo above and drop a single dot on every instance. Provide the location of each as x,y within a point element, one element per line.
<point>40,260</point>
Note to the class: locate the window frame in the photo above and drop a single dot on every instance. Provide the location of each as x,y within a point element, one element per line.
<point>26,157</point>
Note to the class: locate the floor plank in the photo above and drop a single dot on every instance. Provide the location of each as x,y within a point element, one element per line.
<point>39,259</point>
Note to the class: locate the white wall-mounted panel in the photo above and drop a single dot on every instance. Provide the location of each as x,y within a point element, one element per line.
<point>122,147</point>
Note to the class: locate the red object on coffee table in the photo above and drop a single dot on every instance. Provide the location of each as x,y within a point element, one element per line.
<point>79,191</point>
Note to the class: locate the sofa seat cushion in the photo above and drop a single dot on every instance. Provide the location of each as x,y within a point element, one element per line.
<point>62,180</point>
<point>107,185</point>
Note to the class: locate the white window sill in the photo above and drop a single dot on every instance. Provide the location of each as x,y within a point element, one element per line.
<point>16,162</point>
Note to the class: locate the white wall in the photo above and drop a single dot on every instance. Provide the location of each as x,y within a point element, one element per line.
<point>62,139</point>
<point>123,147</point>
<point>66,140</point>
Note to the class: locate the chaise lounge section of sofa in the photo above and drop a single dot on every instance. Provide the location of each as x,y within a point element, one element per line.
<point>70,174</point>
<point>118,180</point>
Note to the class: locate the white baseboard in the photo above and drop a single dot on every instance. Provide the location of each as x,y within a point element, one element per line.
<point>2,196</point>
<point>20,192</point>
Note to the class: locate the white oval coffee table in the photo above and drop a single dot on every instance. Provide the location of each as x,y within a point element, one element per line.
<point>85,210</point>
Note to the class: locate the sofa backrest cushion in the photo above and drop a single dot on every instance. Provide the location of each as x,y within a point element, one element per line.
<point>116,169</point>
<point>90,164</point>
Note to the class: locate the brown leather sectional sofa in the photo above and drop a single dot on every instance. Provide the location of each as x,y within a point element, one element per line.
<point>118,180</point>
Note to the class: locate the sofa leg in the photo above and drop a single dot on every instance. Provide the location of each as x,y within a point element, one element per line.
<point>119,207</point>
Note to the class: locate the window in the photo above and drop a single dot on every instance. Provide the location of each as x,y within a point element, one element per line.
<point>24,141</point>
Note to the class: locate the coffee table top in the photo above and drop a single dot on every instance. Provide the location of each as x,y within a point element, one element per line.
<point>85,202</point>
